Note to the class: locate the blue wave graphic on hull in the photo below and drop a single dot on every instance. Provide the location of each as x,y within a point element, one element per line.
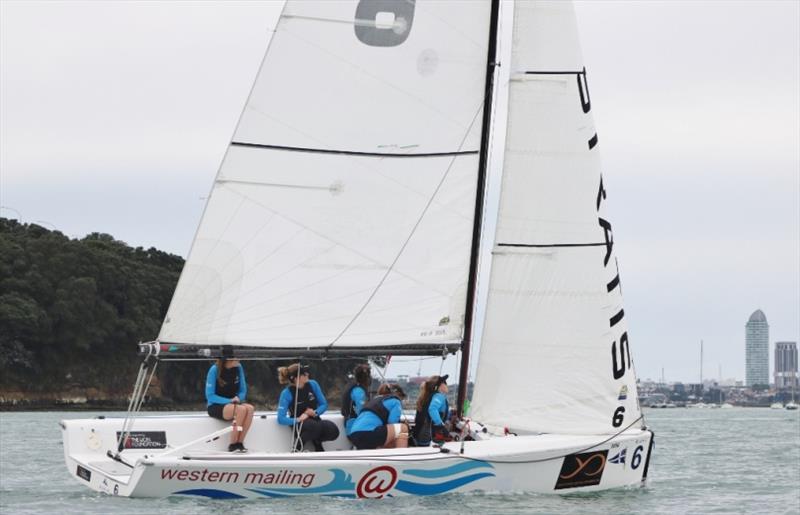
<point>211,493</point>
<point>438,488</point>
<point>447,471</point>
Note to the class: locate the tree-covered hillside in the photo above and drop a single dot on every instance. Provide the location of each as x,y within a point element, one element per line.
<point>72,311</point>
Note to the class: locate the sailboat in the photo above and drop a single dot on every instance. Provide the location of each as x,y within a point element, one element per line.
<point>346,220</point>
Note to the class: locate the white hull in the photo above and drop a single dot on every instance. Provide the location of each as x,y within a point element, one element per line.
<point>530,463</point>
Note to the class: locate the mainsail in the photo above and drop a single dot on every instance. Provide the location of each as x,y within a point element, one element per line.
<point>555,353</point>
<point>342,213</point>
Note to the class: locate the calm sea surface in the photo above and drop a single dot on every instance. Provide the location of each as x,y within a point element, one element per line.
<point>706,461</point>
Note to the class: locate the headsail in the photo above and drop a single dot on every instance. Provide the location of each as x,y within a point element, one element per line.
<point>342,213</point>
<point>554,354</point>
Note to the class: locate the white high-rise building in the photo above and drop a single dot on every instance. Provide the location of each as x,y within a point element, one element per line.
<point>757,349</point>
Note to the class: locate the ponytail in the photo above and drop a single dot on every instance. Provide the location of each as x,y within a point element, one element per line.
<point>285,373</point>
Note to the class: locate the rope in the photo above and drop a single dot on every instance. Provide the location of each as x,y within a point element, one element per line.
<point>297,428</point>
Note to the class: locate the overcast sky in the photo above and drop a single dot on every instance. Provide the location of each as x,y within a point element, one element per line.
<point>114,118</point>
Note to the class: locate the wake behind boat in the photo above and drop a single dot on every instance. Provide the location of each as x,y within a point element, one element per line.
<point>346,220</point>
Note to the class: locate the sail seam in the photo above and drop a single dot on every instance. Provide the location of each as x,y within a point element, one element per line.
<point>549,245</point>
<point>352,152</point>
<point>533,72</point>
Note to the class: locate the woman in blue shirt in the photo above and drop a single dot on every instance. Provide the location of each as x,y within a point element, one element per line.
<point>226,390</point>
<point>356,396</point>
<point>300,405</point>
<point>432,411</point>
<point>378,424</point>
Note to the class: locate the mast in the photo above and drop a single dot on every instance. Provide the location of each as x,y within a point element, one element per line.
<point>478,222</point>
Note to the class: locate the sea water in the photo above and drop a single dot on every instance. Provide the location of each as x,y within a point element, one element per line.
<point>740,460</point>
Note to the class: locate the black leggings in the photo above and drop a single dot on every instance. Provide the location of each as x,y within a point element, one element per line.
<point>316,431</point>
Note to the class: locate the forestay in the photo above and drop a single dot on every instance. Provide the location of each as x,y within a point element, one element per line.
<point>342,213</point>
<point>554,354</point>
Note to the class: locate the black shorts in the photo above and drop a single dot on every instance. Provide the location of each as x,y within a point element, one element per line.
<point>215,410</point>
<point>369,439</point>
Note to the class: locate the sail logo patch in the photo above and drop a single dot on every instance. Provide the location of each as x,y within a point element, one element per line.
<point>623,393</point>
<point>619,458</point>
<point>584,469</point>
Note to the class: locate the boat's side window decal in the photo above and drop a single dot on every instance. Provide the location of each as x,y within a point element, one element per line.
<point>583,90</point>
<point>384,22</point>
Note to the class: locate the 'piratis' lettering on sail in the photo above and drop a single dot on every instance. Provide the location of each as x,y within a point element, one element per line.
<point>583,469</point>
<point>620,350</point>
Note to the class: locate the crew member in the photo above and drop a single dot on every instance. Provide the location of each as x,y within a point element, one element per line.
<point>226,390</point>
<point>300,405</point>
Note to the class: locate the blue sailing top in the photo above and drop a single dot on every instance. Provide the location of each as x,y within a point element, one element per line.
<point>368,420</point>
<point>359,397</point>
<point>438,409</point>
<point>211,387</point>
<point>287,398</point>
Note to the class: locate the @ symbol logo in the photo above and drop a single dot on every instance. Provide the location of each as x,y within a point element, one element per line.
<point>592,466</point>
<point>375,483</point>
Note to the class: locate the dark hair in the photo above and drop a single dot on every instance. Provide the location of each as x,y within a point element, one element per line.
<point>220,367</point>
<point>395,389</point>
<point>428,388</point>
<point>362,375</point>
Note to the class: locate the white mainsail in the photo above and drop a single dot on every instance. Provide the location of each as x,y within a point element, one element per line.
<point>342,214</point>
<point>554,354</point>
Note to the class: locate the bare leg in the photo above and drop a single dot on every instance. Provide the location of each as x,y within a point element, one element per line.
<point>230,412</point>
<point>402,438</point>
<point>248,419</point>
<point>394,439</point>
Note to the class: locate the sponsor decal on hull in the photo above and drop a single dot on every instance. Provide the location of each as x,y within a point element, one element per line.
<point>619,458</point>
<point>144,440</point>
<point>376,483</point>
<point>584,469</point>
<point>84,474</point>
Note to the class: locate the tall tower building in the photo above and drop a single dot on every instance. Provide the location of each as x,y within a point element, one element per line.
<point>757,349</point>
<point>786,365</point>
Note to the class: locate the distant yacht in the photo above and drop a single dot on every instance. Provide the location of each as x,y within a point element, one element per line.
<point>726,405</point>
<point>792,406</point>
<point>776,405</point>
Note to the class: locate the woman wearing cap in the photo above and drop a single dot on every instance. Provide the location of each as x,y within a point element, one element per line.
<point>379,424</point>
<point>432,411</point>
<point>226,390</point>
<point>300,405</point>
<point>356,396</point>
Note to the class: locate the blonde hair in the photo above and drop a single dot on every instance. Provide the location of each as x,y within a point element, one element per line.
<point>284,373</point>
